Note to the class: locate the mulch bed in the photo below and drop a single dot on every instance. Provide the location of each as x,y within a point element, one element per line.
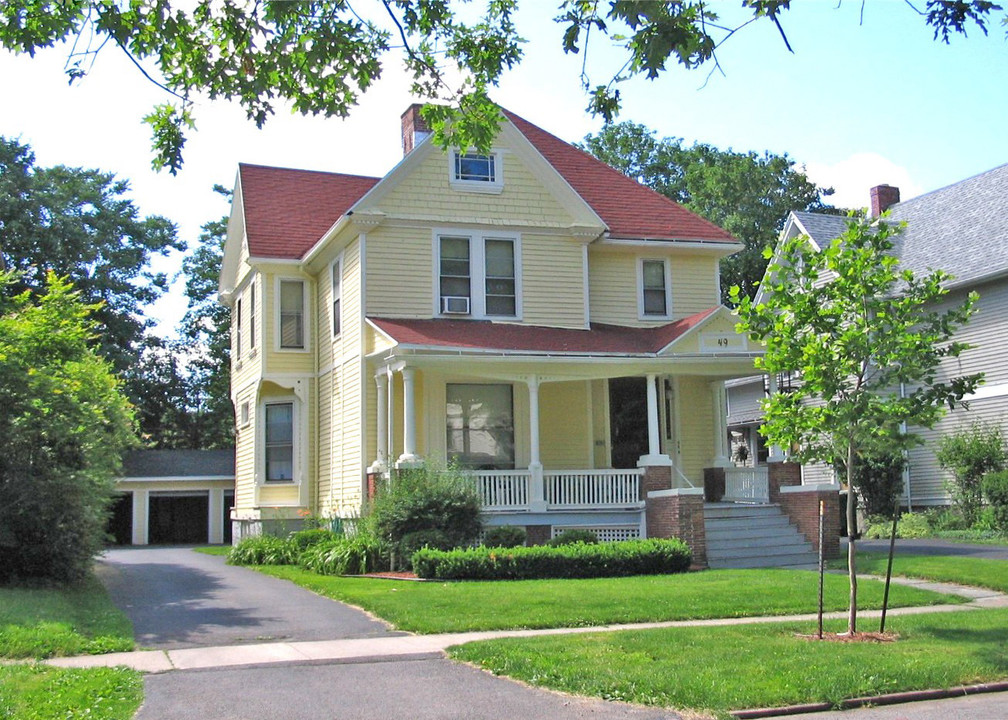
<point>872,637</point>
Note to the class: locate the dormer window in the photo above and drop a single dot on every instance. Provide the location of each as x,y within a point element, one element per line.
<point>476,172</point>
<point>475,167</point>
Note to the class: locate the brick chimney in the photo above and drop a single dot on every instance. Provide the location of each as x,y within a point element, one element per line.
<point>883,197</point>
<point>414,129</point>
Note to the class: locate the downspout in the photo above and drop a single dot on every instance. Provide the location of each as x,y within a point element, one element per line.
<point>906,457</point>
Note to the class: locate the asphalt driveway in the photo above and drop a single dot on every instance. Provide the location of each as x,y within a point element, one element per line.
<point>178,598</point>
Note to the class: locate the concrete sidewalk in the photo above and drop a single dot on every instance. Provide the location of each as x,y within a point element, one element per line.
<point>423,646</point>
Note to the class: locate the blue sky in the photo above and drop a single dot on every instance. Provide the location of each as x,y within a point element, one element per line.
<point>856,104</point>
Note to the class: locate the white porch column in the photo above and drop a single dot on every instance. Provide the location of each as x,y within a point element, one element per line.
<point>720,400</point>
<point>654,456</point>
<point>776,453</point>
<point>381,380</point>
<point>537,497</point>
<point>409,455</point>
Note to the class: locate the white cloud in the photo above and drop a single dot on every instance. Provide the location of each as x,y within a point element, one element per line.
<point>852,178</point>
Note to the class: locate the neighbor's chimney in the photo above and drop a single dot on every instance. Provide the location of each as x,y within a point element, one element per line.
<point>414,129</point>
<point>883,197</point>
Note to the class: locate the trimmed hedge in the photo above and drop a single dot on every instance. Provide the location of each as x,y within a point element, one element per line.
<point>580,560</point>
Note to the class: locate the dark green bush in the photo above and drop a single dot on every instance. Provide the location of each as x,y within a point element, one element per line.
<point>878,480</point>
<point>995,490</point>
<point>580,560</point>
<point>352,555</point>
<point>304,539</point>
<point>264,550</point>
<point>970,455</point>
<point>505,536</point>
<point>574,535</point>
<point>426,506</point>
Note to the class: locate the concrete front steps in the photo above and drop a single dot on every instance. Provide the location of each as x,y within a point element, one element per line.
<point>754,536</point>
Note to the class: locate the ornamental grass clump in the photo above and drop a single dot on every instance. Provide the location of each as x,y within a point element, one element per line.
<point>355,554</point>
<point>264,550</point>
<point>577,560</point>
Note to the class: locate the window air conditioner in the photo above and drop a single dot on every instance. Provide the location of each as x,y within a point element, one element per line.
<point>454,305</point>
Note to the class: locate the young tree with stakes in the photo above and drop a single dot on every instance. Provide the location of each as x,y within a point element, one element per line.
<point>868,340</point>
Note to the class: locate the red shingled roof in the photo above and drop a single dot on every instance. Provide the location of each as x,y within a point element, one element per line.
<point>287,211</point>
<point>487,335</point>
<point>630,209</point>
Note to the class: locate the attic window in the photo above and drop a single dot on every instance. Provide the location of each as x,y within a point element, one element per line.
<point>475,172</point>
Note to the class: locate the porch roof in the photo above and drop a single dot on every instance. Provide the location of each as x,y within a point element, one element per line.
<point>599,339</point>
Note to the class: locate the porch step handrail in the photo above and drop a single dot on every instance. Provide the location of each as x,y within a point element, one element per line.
<point>747,485</point>
<point>592,488</point>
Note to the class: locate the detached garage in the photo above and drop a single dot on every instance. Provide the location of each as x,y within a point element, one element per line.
<point>174,497</point>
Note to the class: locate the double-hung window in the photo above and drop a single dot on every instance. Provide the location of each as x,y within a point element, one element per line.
<point>238,329</point>
<point>654,282</point>
<point>279,442</point>
<point>337,296</point>
<point>292,311</point>
<point>252,317</point>
<point>480,426</point>
<point>478,275</point>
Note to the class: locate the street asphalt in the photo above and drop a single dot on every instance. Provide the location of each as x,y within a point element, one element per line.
<point>987,706</point>
<point>178,598</point>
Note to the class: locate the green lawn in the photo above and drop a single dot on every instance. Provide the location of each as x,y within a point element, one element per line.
<point>213,549</point>
<point>979,572</point>
<point>433,607</point>
<point>43,622</point>
<point>37,692</point>
<point>720,669</point>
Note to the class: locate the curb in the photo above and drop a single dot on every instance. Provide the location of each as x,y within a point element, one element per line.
<point>888,699</point>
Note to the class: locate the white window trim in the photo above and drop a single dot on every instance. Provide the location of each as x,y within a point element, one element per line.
<point>640,289</point>
<point>336,266</point>
<point>477,186</point>
<point>477,272</point>
<point>306,325</point>
<point>260,459</point>
<point>239,318</point>
<point>244,414</point>
<point>252,317</point>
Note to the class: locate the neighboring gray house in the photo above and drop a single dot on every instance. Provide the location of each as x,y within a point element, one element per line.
<point>174,497</point>
<point>963,230</point>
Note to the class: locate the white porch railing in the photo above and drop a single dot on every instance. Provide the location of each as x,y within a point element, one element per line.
<point>504,489</point>
<point>591,488</point>
<point>747,485</point>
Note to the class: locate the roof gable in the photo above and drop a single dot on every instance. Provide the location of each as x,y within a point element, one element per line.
<point>629,209</point>
<point>286,211</point>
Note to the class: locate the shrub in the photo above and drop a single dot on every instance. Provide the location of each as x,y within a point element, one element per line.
<point>579,560</point>
<point>427,506</point>
<point>505,536</point>
<point>995,490</point>
<point>879,527</point>
<point>352,555</point>
<point>574,535</point>
<point>969,455</point>
<point>878,480</point>
<point>946,519</point>
<point>264,550</point>
<point>913,525</point>
<point>304,539</point>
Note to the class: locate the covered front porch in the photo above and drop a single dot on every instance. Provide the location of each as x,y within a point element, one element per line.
<point>560,437</point>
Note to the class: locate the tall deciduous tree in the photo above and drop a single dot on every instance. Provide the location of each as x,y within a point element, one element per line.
<point>868,340</point>
<point>80,224</point>
<point>748,194</point>
<point>181,387</point>
<point>63,428</point>
<point>320,56</point>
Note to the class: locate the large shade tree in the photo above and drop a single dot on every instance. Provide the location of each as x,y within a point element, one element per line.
<point>82,225</point>
<point>868,340</point>
<point>748,194</point>
<point>320,56</point>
